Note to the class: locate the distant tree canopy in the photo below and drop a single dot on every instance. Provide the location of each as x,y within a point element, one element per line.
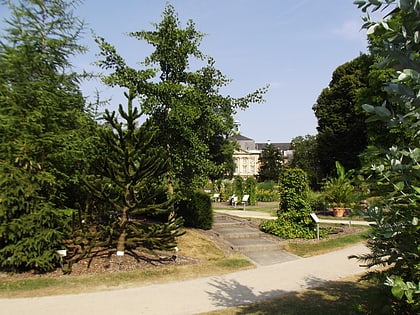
<point>305,157</point>
<point>270,160</point>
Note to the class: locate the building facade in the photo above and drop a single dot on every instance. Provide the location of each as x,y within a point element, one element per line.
<point>246,157</point>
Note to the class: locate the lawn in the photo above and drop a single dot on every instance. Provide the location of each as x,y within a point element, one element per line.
<point>315,247</point>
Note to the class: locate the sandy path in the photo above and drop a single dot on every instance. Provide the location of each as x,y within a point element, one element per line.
<point>198,295</point>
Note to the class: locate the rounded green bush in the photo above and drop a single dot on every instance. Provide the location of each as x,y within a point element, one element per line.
<point>196,211</point>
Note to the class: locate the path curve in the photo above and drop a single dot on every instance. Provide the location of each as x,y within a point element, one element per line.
<point>198,295</point>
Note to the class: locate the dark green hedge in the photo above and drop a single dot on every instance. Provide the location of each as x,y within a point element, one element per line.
<point>196,210</point>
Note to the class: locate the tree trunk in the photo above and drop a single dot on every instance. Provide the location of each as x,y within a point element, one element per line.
<point>123,231</point>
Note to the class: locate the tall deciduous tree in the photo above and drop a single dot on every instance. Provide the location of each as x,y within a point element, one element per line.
<point>341,127</point>
<point>41,118</point>
<point>192,116</point>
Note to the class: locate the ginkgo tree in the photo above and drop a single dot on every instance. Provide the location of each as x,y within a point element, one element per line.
<point>193,118</point>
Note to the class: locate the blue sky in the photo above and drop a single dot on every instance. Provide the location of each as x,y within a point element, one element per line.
<point>294,46</point>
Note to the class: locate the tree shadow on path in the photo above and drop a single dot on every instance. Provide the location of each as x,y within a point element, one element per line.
<point>332,297</point>
<point>230,293</point>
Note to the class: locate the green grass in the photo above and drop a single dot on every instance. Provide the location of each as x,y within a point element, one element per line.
<point>353,218</point>
<point>336,297</point>
<point>307,249</point>
<point>267,207</point>
<point>42,286</point>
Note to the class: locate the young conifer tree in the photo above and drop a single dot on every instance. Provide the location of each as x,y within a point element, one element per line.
<point>129,179</point>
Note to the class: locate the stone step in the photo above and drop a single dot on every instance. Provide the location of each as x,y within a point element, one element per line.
<point>250,241</point>
<point>247,245</point>
<point>227,223</point>
<point>226,219</point>
<point>235,231</point>
<point>270,257</point>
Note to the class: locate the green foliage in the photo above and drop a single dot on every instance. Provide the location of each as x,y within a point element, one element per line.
<point>316,201</point>
<point>266,191</point>
<point>31,228</point>
<point>395,239</point>
<point>251,190</point>
<point>267,185</point>
<point>293,217</point>
<point>192,117</point>
<point>287,229</point>
<point>407,290</point>
<point>267,195</point>
<point>305,157</point>
<point>270,160</point>
<point>196,211</point>
<point>42,126</point>
<point>129,179</point>
<point>238,187</point>
<point>342,132</point>
<point>293,190</point>
<point>339,191</point>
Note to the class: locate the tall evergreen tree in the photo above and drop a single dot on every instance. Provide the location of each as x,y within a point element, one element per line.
<point>41,114</point>
<point>129,178</point>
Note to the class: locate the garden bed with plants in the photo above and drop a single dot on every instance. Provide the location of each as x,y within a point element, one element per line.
<point>195,247</point>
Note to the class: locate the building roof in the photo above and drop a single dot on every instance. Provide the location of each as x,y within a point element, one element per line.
<point>279,145</point>
<point>240,137</point>
<point>257,146</point>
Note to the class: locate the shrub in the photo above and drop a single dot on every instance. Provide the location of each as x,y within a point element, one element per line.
<point>287,229</point>
<point>238,186</point>
<point>266,185</point>
<point>251,190</point>
<point>316,201</point>
<point>293,217</point>
<point>267,195</point>
<point>196,211</point>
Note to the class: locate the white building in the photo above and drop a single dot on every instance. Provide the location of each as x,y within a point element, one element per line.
<point>247,155</point>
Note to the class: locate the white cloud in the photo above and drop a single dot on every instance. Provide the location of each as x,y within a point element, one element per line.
<point>351,30</point>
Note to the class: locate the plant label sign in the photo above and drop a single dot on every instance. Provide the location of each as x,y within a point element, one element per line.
<point>314,217</point>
